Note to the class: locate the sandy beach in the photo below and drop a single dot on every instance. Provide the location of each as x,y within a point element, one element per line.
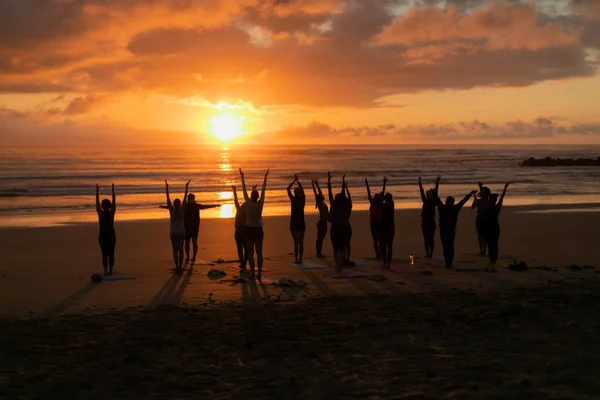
<point>462,333</point>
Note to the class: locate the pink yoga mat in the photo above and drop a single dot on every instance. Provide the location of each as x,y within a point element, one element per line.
<point>347,273</point>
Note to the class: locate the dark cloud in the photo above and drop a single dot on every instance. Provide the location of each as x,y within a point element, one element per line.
<point>32,87</point>
<point>31,23</point>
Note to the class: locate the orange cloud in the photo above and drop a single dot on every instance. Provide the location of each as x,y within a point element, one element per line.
<point>334,53</point>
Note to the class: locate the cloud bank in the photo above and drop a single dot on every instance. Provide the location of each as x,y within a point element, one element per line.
<point>330,53</point>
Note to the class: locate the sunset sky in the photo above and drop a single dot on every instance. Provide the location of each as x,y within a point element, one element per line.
<point>300,71</point>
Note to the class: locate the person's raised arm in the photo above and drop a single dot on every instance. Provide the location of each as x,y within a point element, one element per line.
<point>169,205</point>
<point>187,185</point>
<point>437,183</point>
<point>384,185</point>
<point>318,187</point>
<point>348,193</point>
<point>98,208</point>
<point>331,199</point>
<point>244,191</point>
<point>368,190</point>
<point>501,200</point>
<point>114,200</point>
<point>343,181</point>
<point>461,203</point>
<point>312,182</point>
<point>264,188</point>
<point>299,184</point>
<point>289,188</point>
<point>235,198</point>
<point>423,198</point>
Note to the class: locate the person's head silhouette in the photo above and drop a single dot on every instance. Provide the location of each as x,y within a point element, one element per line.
<point>106,205</point>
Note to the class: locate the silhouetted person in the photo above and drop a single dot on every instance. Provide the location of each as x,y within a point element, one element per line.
<point>339,216</point>
<point>107,236</point>
<point>388,230</point>
<point>482,203</point>
<point>375,210</point>
<point>346,214</point>
<point>428,217</point>
<point>191,215</point>
<point>323,216</point>
<point>177,225</point>
<point>492,225</point>
<point>448,213</point>
<point>297,223</point>
<point>254,224</point>
<point>240,229</point>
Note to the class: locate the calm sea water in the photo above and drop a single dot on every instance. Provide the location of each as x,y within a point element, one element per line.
<point>50,186</point>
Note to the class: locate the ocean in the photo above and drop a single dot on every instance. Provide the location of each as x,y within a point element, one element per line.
<point>49,186</point>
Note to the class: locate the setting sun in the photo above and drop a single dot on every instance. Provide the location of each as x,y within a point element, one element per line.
<point>227,127</point>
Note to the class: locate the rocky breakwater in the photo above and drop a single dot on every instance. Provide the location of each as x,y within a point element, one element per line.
<point>561,162</point>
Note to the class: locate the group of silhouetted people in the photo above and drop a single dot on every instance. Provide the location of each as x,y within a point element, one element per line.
<point>185,223</point>
<point>488,228</point>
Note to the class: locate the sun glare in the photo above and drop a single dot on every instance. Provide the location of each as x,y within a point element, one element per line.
<point>227,127</point>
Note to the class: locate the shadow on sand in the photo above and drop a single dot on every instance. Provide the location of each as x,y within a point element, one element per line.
<point>172,291</point>
<point>61,306</point>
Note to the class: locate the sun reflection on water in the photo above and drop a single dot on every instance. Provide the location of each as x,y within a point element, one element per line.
<point>226,211</point>
<point>225,195</point>
<point>225,165</point>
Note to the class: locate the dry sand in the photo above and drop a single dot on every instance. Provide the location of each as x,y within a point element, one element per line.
<point>467,334</point>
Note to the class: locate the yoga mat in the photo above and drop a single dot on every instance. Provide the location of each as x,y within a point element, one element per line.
<point>203,262</point>
<point>308,265</point>
<point>407,270</point>
<point>116,276</point>
<point>347,273</point>
<point>365,263</point>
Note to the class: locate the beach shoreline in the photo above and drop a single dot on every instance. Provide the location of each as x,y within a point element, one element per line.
<point>227,212</point>
<point>55,277</point>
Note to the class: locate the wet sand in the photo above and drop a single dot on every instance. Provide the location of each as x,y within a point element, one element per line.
<point>463,334</point>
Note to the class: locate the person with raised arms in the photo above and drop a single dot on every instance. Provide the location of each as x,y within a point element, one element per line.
<point>482,203</point>
<point>191,214</point>
<point>448,213</point>
<point>297,223</point>
<point>323,217</point>
<point>388,227</point>
<point>428,225</point>
<point>492,224</point>
<point>240,229</point>
<point>107,236</point>
<point>176,225</point>
<point>375,210</point>
<point>254,224</point>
